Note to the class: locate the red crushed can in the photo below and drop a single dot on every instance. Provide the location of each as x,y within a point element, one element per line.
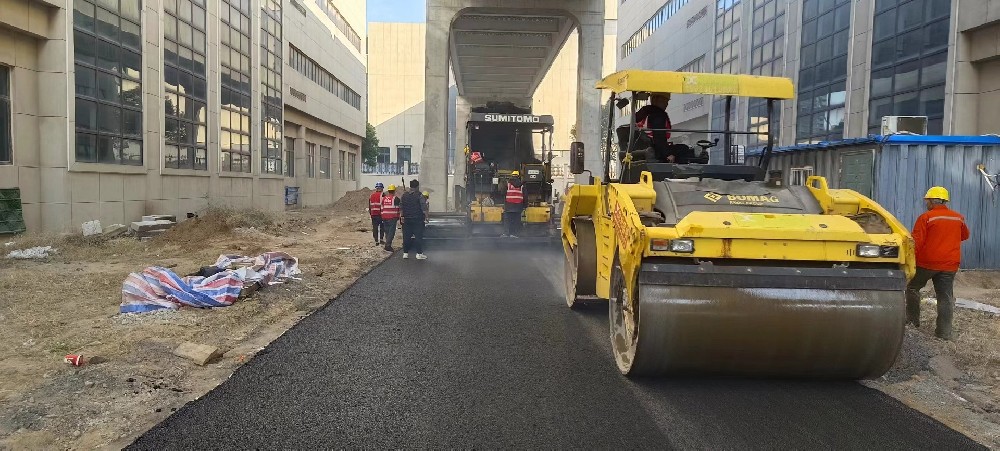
<point>73,359</point>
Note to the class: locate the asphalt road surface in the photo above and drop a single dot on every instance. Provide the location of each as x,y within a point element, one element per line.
<point>476,348</point>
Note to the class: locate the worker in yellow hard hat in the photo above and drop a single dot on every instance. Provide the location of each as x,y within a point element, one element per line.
<point>513,206</point>
<point>427,195</point>
<point>938,236</point>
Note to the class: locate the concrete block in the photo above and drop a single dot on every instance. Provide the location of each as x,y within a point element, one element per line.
<point>171,218</point>
<point>198,353</point>
<point>114,231</point>
<point>92,228</point>
<point>146,226</point>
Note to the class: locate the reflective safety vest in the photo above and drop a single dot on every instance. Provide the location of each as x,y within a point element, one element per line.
<point>389,208</point>
<point>514,194</point>
<point>375,204</point>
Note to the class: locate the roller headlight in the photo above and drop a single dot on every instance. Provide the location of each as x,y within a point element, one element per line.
<point>682,246</point>
<point>869,251</point>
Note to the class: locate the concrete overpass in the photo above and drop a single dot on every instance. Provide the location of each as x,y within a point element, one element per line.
<point>500,50</point>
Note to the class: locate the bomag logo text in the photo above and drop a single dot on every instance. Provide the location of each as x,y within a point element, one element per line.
<point>755,201</point>
<point>713,197</point>
<point>762,199</point>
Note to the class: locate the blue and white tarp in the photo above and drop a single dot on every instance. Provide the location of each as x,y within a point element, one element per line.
<point>158,288</point>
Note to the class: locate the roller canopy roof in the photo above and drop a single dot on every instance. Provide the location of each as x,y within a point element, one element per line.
<point>698,83</point>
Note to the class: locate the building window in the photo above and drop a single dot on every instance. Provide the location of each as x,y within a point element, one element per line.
<point>270,89</point>
<point>727,55</point>
<point>767,59</point>
<point>108,78</point>
<point>310,160</point>
<point>289,157</point>
<point>651,25</point>
<point>352,161</point>
<point>343,161</point>
<point>236,92</point>
<point>6,147</point>
<point>909,61</point>
<point>403,153</point>
<point>325,155</point>
<point>823,75</point>
<point>312,70</point>
<point>184,105</point>
<point>383,155</point>
<point>340,22</point>
<point>695,65</point>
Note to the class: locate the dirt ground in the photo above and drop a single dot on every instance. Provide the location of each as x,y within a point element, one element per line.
<point>69,303</point>
<point>956,382</point>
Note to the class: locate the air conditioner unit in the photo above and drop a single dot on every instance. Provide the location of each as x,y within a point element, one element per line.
<point>915,125</point>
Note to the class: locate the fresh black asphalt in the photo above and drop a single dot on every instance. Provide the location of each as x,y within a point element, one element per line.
<point>476,349</point>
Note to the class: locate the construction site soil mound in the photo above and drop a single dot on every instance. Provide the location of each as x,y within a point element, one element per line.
<point>353,201</point>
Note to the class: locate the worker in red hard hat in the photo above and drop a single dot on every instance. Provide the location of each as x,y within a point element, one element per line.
<point>938,235</point>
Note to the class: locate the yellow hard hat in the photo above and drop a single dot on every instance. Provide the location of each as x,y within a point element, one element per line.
<point>937,192</point>
<point>515,173</point>
<point>391,188</point>
<point>427,194</point>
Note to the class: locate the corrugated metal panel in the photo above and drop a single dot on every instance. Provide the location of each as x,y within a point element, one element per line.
<point>904,172</point>
<point>825,161</point>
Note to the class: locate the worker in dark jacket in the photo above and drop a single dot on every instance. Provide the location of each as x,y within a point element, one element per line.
<point>938,235</point>
<point>413,207</point>
<point>655,119</point>
<point>513,206</point>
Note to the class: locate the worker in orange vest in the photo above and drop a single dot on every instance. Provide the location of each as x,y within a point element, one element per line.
<point>938,235</point>
<point>513,206</point>
<point>375,211</point>
<point>390,215</point>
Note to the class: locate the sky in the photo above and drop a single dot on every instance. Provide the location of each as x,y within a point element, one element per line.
<point>397,10</point>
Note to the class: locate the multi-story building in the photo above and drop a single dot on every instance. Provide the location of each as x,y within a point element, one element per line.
<point>112,109</point>
<point>396,109</point>
<point>853,62</point>
<point>396,61</point>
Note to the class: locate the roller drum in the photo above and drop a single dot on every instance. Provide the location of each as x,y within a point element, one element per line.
<point>786,322</point>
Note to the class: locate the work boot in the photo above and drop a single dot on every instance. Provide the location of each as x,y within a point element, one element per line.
<point>406,255</point>
<point>421,257</point>
<point>388,248</point>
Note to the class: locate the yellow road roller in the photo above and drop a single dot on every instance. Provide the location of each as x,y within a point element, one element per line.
<point>713,267</point>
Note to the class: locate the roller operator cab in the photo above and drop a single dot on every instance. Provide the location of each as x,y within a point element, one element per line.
<point>710,269</point>
<point>501,142</point>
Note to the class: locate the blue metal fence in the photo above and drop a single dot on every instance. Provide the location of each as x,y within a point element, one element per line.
<point>904,170</point>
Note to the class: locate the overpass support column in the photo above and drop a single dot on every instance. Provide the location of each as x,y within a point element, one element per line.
<point>434,157</point>
<point>463,111</point>
<point>589,100</point>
